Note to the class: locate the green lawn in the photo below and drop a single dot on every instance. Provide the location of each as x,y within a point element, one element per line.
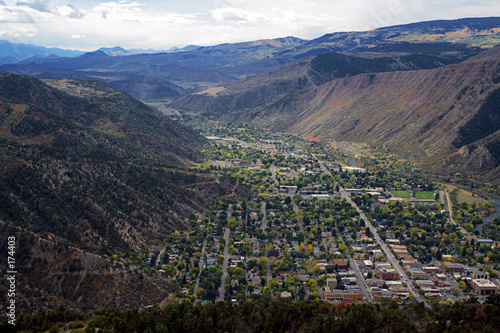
<point>424,195</point>
<point>402,194</point>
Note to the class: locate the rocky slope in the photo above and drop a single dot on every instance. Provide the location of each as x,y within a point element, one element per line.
<point>298,75</point>
<point>417,112</point>
<point>86,173</point>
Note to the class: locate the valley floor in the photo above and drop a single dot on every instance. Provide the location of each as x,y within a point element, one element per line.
<point>319,229</point>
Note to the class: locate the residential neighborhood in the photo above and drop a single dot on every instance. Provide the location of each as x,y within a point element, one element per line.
<point>322,226</point>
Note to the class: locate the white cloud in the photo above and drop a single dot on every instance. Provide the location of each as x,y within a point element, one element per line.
<point>148,24</point>
<point>119,10</point>
<point>71,11</point>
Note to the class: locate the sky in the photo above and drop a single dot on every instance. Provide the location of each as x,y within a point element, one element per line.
<point>88,25</point>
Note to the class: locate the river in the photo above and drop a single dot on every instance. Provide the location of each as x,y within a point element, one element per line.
<point>489,218</point>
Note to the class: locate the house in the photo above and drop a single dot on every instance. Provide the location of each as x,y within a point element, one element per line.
<point>286,294</point>
<point>377,254</point>
<point>303,278</point>
<point>255,281</point>
<point>326,234</point>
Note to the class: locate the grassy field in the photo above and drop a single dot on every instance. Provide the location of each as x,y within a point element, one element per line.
<point>466,196</point>
<point>424,195</point>
<point>402,194</point>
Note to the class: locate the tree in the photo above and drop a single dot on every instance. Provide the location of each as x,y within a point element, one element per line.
<point>462,285</point>
<point>274,283</point>
<point>439,255</point>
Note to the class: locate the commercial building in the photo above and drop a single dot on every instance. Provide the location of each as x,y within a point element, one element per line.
<point>388,274</point>
<point>484,287</point>
<point>331,283</point>
<point>481,275</point>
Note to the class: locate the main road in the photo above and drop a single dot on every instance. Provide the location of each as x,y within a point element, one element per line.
<point>226,257</point>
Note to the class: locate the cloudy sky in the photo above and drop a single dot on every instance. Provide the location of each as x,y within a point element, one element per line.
<point>89,24</point>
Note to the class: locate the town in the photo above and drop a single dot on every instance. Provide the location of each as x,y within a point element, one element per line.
<point>323,222</point>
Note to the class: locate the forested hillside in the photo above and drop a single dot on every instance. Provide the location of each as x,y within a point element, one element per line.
<point>92,172</point>
<point>278,315</point>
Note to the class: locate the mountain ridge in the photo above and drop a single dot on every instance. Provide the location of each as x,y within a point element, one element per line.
<point>225,63</point>
<point>90,180</point>
<point>417,112</point>
<point>97,133</point>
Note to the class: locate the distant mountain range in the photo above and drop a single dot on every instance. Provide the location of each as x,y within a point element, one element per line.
<point>11,53</point>
<point>446,118</point>
<point>172,74</point>
<point>300,86</point>
<point>14,52</point>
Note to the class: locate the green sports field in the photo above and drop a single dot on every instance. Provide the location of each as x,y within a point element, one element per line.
<point>424,195</point>
<point>402,194</point>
